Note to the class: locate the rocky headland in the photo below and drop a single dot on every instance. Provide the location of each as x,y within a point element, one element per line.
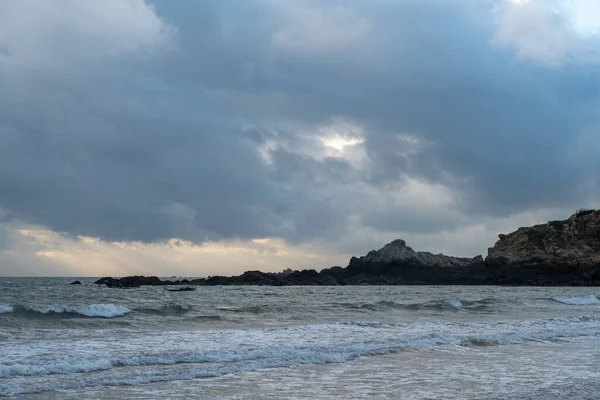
<point>565,252</point>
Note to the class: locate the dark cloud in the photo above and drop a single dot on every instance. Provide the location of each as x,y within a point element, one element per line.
<point>167,144</point>
<point>5,239</point>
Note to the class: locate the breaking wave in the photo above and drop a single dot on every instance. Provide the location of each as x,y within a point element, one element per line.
<point>578,301</point>
<point>435,305</point>
<point>454,303</point>
<point>187,355</point>
<point>89,310</point>
<point>6,308</point>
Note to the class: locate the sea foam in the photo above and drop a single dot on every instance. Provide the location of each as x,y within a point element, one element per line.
<point>89,310</point>
<point>454,303</point>
<point>180,355</point>
<point>6,308</point>
<point>578,301</point>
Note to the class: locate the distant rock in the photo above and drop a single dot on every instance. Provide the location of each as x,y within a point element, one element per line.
<point>396,263</point>
<point>397,252</point>
<point>556,253</point>
<point>75,283</point>
<point>565,252</point>
<point>130,281</point>
<point>182,289</point>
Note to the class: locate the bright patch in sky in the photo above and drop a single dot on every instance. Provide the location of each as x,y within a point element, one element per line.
<point>584,16</point>
<point>340,143</point>
<point>343,139</point>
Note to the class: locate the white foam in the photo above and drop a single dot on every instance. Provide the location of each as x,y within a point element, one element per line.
<point>121,356</point>
<point>6,308</point>
<point>454,303</point>
<point>90,310</point>
<point>578,301</point>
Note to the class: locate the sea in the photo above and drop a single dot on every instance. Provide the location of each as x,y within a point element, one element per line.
<point>61,341</point>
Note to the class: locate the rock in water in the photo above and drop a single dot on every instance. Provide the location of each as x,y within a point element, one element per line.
<point>75,283</point>
<point>397,252</point>
<point>182,289</point>
<point>555,253</point>
<point>130,281</point>
<point>397,263</point>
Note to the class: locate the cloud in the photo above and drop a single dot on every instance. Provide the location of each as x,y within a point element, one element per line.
<point>551,32</point>
<point>318,28</point>
<point>88,256</point>
<point>37,251</point>
<point>59,35</point>
<point>19,257</point>
<point>334,126</point>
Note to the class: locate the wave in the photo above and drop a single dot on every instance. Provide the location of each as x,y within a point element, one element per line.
<point>89,310</point>
<point>435,305</point>
<point>208,318</point>
<point>6,308</point>
<point>459,305</point>
<point>255,309</point>
<point>169,309</point>
<point>578,301</point>
<point>165,356</point>
<point>178,310</point>
<point>454,303</point>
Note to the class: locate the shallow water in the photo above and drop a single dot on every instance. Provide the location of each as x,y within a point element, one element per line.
<point>63,341</point>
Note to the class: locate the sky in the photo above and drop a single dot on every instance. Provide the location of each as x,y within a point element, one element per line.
<point>196,138</point>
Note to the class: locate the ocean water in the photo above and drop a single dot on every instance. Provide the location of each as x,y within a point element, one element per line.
<point>61,341</point>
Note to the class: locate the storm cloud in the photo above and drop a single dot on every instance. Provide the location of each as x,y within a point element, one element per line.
<point>294,119</point>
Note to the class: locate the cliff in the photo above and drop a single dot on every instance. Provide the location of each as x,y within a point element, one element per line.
<point>556,253</point>
<point>565,252</point>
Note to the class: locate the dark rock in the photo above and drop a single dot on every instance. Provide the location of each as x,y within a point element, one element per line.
<point>398,253</point>
<point>130,281</point>
<point>396,263</point>
<point>564,252</point>
<point>556,253</point>
<point>182,289</point>
<point>75,283</point>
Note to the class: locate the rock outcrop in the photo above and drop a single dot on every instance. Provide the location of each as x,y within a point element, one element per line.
<point>397,263</point>
<point>129,281</point>
<point>397,252</point>
<point>563,252</point>
<point>394,264</point>
<point>556,253</point>
<point>182,289</point>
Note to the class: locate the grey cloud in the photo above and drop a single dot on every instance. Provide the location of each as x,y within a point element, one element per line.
<point>167,145</point>
<point>18,255</point>
<point>504,126</point>
<point>5,239</point>
<point>413,221</point>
